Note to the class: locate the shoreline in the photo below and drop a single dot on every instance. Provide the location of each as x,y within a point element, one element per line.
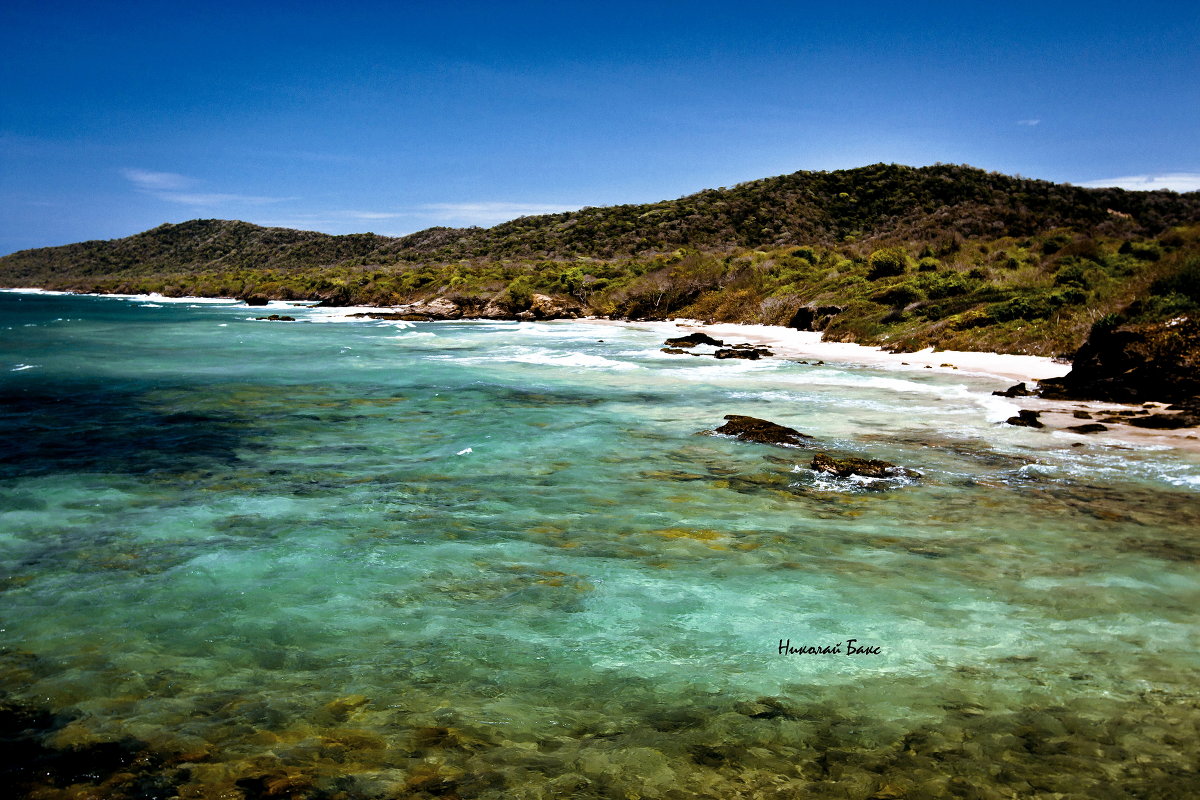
<point>1006,368</point>
<point>792,344</point>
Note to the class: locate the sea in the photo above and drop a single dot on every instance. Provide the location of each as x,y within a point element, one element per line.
<point>339,557</point>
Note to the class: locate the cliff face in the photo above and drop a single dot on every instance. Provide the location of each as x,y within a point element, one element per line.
<point>1134,363</point>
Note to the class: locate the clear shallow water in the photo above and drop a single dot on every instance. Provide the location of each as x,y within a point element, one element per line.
<point>495,560</point>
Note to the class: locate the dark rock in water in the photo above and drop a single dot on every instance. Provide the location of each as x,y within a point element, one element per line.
<point>752,429</point>
<point>867,467</point>
<point>750,353</point>
<point>1133,363</point>
<point>1091,427</point>
<point>675,351</point>
<point>255,300</point>
<point>693,339</point>
<point>278,318</point>
<point>813,318</point>
<point>1081,415</point>
<point>1183,419</point>
<point>1026,419</point>
<point>1020,390</point>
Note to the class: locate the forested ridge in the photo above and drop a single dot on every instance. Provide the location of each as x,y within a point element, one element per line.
<point>945,255</point>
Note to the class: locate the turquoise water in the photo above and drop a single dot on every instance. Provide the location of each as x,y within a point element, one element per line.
<point>338,558</point>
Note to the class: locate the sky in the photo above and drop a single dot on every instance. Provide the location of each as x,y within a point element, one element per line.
<point>391,117</point>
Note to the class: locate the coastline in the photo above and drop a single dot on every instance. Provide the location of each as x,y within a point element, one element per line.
<point>792,344</point>
<point>1005,368</point>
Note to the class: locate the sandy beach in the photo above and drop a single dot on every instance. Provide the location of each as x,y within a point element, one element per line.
<point>1007,369</point>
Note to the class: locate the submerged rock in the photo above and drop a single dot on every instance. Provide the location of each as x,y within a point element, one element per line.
<point>1026,418</point>
<point>752,429</point>
<point>1168,422</point>
<point>278,318</point>
<point>748,352</point>
<point>693,339</point>
<point>866,467</point>
<point>1091,427</point>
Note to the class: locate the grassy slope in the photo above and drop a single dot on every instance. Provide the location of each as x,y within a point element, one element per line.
<point>947,255</point>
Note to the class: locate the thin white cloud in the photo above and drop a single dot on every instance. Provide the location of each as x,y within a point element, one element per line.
<point>150,181</point>
<point>1176,181</point>
<point>1028,122</point>
<point>217,199</point>
<point>168,186</point>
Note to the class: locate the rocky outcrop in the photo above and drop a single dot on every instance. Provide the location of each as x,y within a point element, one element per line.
<point>422,311</point>
<point>1026,419</point>
<point>813,317</point>
<point>254,300</point>
<point>753,429</point>
<point>750,352</point>
<point>1185,418</point>
<point>746,351</point>
<point>541,307</point>
<point>277,318</point>
<point>1020,390</point>
<point>1133,363</point>
<point>693,339</point>
<point>866,467</point>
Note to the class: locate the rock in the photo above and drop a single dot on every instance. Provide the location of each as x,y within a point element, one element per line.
<point>421,311</point>
<point>693,339</point>
<point>676,351</point>
<point>543,306</point>
<point>750,353</point>
<point>1134,363</point>
<point>278,318</point>
<point>1081,415</point>
<point>255,300</point>
<point>1091,427</point>
<point>752,429</point>
<point>867,467</point>
<point>1020,390</point>
<point>1183,419</point>
<point>1026,419</point>
<point>813,317</point>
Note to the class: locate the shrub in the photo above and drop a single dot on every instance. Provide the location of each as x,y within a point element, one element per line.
<point>899,295</point>
<point>928,264</point>
<point>946,284</point>
<point>518,296</point>
<point>1073,274</point>
<point>887,262</point>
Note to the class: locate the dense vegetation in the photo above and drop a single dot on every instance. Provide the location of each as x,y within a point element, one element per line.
<point>945,255</point>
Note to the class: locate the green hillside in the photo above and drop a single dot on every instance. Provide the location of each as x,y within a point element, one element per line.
<point>946,255</point>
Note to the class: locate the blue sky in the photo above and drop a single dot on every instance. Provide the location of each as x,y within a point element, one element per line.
<point>392,117</point>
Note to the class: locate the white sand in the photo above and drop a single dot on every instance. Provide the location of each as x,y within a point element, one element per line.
<point>1056,414</point>
<point>807,345</point>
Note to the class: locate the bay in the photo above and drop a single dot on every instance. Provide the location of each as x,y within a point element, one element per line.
<point>501,559</point>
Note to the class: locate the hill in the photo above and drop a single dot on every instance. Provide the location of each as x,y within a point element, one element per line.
<point>906,257</point>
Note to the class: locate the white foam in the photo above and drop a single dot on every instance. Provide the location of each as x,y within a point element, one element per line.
<point>23,367</point>
<point>574,360</point>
